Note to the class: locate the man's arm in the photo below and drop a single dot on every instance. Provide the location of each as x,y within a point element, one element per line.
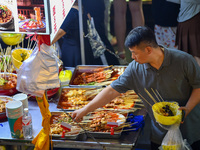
<point>104,97</point>
<point>192,102</point>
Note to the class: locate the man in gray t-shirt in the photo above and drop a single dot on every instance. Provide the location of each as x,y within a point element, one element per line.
<point>173,73</point>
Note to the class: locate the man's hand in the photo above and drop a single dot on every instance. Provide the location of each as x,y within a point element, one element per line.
<point>184,113</point>
<point>77,115</point>
<point>192,102</point>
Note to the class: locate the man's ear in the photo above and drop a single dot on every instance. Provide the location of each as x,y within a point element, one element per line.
<point>148,49</point>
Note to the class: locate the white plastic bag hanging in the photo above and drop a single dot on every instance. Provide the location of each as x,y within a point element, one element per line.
<point>39,72</point>
<point>173,140</point>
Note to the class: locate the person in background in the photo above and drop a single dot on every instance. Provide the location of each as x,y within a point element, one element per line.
<point>69,32</point>
<point>107,18</point>
<point>96,10</point>
<point>174,74</point>
<point>188,32</point>
<point>165,17</point>
<point>120,8</point>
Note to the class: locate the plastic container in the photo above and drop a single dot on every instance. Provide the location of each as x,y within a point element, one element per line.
<point>14,112</point>
<point>27,124</point>
<point>23,98</point>
<point>12,38</point>
<point>65,77</point>
<point>16,56</point>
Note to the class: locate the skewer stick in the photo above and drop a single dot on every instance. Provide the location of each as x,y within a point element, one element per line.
<point>34,46</point>
<point>150,95</point>
<point>4,51</point>
<point>129,129</point>
<point>160,96</point>
<point>144,99</point>
<point>31,44</point>
<point>156,95</point>
<point>1,48</point>
<point>22,43</point>
<point>28,43</point>
<point>142,105</point>
<point>160,105</point>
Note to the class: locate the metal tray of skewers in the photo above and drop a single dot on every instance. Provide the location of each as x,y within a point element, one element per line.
<point>75,98</point>
<point>95,75</point>
<point>57,130</point>
<point>105,123</point>
<point>97,124</point>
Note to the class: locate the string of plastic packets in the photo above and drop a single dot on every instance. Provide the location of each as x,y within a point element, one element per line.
<point>136,122</point>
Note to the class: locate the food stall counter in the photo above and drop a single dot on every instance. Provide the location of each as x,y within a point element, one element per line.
<point>126,141</point>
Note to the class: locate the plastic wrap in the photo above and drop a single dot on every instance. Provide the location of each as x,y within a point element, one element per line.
<point>39,72</point>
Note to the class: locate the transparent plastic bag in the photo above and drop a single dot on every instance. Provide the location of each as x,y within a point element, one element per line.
<point>173,140</point>
<point>39,72</point>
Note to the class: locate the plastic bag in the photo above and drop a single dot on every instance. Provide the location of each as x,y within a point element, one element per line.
<point>39,72</point>
<point>173,140</point>
<point>98,47</point>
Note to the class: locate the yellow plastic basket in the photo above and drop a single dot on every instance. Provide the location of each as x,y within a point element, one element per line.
<point>167,120</point>
<point>16,56</point>
<point>12,38</point>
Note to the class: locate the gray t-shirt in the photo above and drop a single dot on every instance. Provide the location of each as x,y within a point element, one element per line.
<point>174,81</point>
<point>188,9</point>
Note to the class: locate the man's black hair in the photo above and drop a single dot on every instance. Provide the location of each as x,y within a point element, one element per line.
<point>141,34</point>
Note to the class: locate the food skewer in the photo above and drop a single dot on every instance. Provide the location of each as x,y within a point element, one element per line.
<point>85,131</point>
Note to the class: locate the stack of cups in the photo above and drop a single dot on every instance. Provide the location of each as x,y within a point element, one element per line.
<point>14,112</point>
<point>23,98</point>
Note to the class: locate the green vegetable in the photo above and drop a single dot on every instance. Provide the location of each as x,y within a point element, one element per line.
<point>23,55</point>
<point>2,81</point>
<point>91,83</point>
